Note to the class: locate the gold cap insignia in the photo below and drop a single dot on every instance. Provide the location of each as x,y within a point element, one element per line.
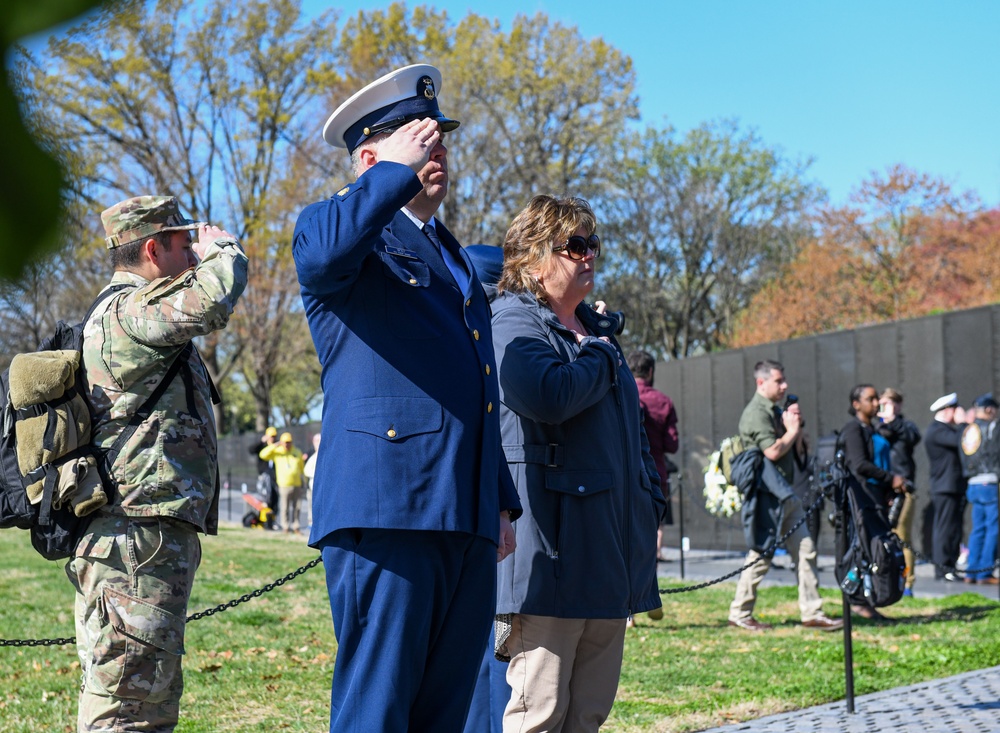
<point>428,86</point>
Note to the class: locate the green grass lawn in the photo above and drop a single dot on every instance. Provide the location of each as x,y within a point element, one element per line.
<point>266,665</point>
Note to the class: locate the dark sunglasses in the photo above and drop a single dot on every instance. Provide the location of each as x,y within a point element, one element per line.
<point>578,247</point>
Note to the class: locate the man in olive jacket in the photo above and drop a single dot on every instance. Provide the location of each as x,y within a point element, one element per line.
<point>763,425</point>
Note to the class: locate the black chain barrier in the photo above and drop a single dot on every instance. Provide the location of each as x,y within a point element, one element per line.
<point>815,506</point>
<point>765,556</point>
<point>193,617</point>
<point>967,571</point>
<point>295,573</point>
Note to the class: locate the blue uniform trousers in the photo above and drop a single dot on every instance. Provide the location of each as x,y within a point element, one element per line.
<point>983,537</point>
<point>411,613</point>
<point>491,696</point>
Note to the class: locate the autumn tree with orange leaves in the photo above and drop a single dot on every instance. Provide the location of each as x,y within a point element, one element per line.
<point>906,245</point>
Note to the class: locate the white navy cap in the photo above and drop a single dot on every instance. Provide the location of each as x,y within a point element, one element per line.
<point>949,400</point>
<point>387,104</point>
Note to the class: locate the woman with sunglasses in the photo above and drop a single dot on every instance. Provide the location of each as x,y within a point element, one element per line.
<point>573,437</point>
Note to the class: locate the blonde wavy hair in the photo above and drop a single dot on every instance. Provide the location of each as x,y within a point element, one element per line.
<point>545,222</point>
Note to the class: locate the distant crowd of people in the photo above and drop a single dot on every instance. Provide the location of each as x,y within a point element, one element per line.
<point>878,444</point>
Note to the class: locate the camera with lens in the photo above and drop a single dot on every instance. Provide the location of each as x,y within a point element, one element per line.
<point>610,323</point>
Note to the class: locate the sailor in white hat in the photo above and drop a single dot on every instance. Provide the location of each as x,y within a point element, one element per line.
<point>941,440</point>
<point>387,104</point>
<point>412,498</point>
<point>941,403</point>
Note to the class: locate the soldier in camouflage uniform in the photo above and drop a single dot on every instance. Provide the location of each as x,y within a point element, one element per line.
<point>134,568</point>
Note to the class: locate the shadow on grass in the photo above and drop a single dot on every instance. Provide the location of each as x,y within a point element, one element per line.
<point>958,613</point>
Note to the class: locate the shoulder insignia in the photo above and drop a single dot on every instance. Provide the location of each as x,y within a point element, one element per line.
<point>343,191</point>
<point>972,438</point>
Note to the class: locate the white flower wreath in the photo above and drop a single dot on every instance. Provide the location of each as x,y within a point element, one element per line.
<point>722,499</point>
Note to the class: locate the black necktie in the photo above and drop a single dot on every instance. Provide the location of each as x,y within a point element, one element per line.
<point>432,235</point>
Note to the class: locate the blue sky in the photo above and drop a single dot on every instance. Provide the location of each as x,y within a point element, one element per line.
<point>857,86</point>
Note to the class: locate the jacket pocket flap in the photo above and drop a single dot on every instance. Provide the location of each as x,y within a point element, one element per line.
<point>143,621</point>
<point>406,267</point>
<point>394,418</point>
<point>578,483</point>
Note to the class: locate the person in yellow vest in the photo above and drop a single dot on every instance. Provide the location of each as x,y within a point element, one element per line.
<point>288,470</point>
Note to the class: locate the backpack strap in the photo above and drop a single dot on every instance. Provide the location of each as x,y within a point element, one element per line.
<point>48,489</point>
<point>104,295</point>
<point>108,457</point>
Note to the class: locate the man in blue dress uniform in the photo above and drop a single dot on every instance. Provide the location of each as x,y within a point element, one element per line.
<point>412,499</point>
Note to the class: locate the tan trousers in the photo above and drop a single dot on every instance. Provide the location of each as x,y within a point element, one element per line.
<point>563,673</point>
<point>904,530</point>
<point>289,499</point>
<point>803,551</point>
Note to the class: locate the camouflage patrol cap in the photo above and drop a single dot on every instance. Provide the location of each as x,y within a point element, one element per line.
<point>141,217</point>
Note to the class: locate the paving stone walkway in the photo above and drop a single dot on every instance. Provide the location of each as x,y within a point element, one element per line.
<point>965,703</point>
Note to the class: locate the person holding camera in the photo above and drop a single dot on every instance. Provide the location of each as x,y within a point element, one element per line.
<point>765,426</point>
<point>903,436</point>
<point>573,437</point>
<point>873,486</point>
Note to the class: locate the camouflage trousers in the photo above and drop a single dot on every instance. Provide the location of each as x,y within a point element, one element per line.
<point>133,578</point>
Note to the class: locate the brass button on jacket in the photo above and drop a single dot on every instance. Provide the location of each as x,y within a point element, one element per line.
<point>391,433</point>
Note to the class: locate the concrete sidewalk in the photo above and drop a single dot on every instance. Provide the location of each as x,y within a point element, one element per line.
<point>965,703</point>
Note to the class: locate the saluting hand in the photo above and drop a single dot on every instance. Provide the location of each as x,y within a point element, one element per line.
<point>411,144</point>
<point>208,233</point>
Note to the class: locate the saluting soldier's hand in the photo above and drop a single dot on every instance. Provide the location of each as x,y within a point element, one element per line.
<point>411,144</point>
<point>207,233</point>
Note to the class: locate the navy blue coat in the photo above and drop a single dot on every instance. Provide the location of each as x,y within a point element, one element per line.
<point>411,433</point>
<point>573,436</point>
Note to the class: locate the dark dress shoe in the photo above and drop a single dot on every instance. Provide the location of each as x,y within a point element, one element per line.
<point>750,624</point>
<point>989,581</point>
<point>824,623</point>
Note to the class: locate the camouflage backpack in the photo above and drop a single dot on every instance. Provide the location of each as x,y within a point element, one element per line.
<point>52,478</point>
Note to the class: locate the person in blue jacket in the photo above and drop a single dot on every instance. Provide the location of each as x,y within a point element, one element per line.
<point>412,500</point>
<point>573,437</point>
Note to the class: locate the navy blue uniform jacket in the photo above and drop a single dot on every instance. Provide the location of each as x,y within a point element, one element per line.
<point>411,432</point>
